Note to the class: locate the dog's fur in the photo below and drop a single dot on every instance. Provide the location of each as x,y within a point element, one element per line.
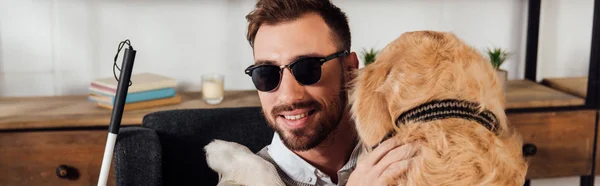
<point>236,164</point>
<point>422,66</point>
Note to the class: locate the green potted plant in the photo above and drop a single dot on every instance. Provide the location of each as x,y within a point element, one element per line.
<point>497,56</point>
<point>369,55</point>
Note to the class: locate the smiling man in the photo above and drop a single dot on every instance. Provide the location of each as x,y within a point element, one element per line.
<point>302,66</point>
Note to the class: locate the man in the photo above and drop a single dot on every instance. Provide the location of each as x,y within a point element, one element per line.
<point>302,66</point>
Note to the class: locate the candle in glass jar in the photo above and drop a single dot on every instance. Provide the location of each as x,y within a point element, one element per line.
<point>212,89</point>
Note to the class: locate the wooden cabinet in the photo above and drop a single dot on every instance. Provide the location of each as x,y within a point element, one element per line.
<point>563,138</point>
<point>577,86</point>
<point>70,157</point>
<point>564,142</point>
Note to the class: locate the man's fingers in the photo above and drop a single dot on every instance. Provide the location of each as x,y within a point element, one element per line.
<point>397,154</point>
<point>384,163</point>
<point>395,170</point>
<point>380,151</point>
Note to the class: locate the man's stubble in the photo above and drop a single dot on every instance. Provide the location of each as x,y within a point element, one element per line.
<point>324,121</point>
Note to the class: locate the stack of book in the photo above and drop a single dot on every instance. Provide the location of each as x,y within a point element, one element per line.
<point>147,90</point>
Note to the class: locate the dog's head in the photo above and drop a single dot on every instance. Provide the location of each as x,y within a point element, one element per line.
<point>416,68</point>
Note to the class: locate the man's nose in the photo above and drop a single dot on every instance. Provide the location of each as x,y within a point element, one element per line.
<point>290,90</point>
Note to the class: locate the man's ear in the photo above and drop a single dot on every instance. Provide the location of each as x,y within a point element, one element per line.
<point>350,66</point>
<point>351,62</point>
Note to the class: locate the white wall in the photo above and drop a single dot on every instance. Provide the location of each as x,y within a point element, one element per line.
<point>57,47</point>
<point>565,38</point>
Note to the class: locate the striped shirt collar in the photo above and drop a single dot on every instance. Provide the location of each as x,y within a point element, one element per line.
<point>301,171</point>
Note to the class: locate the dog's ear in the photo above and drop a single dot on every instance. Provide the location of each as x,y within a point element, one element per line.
<point>369,105</point>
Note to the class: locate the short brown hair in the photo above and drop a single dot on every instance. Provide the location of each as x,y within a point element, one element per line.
<point>278,11</point>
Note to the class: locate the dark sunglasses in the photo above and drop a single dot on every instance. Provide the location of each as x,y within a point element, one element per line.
<point>307,71</point>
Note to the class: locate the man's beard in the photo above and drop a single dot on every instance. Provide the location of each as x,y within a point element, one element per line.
<point>322,123</point>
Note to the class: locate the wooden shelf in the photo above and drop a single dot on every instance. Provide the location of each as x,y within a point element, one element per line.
<point>77,111</point>
<point>572,85</point>
<point>529,94</point>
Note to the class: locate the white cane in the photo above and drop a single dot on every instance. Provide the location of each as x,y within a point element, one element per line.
<point>117,112</point>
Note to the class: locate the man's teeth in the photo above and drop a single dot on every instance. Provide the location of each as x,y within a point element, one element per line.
<point>295,117</point>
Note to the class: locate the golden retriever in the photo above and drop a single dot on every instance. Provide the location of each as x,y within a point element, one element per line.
<point>431,89</point>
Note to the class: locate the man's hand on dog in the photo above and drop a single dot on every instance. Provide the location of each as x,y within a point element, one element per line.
<point>383,164</point>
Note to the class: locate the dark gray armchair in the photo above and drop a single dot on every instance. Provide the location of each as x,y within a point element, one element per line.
<point>168,149</point>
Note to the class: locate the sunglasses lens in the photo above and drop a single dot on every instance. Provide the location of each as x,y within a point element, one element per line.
<point>265,78</point>
<point>307,72</point>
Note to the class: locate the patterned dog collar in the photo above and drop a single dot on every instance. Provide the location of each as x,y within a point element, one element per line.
<point>447,108</point>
